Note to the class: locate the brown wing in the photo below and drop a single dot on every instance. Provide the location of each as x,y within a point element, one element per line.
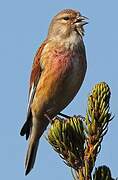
<point>36,69</point>
<point>34,78</point>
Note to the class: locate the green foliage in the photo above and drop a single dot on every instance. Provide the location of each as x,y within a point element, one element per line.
<point>102,173</point>
<point>67,138</point>
<point>78,140</point>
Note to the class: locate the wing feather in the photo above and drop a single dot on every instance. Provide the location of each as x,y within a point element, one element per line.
<point>34,79</point>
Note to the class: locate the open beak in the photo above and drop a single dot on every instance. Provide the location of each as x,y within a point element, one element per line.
<point>81,21</point>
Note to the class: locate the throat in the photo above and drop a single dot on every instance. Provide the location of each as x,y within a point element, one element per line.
<point>71,42</point>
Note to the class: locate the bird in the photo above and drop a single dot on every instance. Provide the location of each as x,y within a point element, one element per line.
<point>58,71</point>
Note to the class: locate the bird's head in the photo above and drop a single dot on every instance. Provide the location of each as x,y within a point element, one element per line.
<point>67,22</point>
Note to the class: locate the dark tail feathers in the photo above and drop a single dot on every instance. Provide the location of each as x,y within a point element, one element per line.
<point>31,155</point>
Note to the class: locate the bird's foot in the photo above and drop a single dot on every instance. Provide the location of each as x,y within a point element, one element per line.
<point>52,120</point>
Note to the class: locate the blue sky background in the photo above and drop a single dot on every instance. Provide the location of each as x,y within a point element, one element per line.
<point>23,26</point>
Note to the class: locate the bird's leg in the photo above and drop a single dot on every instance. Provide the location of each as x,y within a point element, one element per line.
<point>47,116</point>
<point>49,119</point>
<point>61,114</point>
<point>64,115</point>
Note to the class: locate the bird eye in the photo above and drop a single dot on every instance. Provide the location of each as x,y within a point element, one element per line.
<point>66,18</point>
